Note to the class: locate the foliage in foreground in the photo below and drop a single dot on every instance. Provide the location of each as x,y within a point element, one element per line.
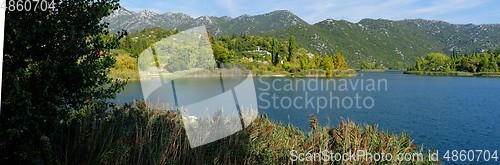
<point>140,135</point>
<point>56,62</point>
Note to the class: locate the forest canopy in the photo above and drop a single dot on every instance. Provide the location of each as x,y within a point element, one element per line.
<point>473,63</point>
<point>259,53</point>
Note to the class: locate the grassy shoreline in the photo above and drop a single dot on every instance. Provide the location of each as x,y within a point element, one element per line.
<point>455,74</point>
<point>137,134</point>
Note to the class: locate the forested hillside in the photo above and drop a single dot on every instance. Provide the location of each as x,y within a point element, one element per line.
<point>392,44</point>
<point>264,55</point>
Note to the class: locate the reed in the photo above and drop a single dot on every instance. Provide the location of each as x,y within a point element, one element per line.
<point>137,134</point>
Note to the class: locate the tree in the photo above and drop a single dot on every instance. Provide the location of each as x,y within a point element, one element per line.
<point>339,62</point>
<point>367,65</point>
<point>222,54</point>
<point>56,64</point>
<point>438,62</point>
<point>303,59</point>
<point>136,43</point>
<point>364,64</point>
<point>274,52</point>
<point>124,61</point>
<point>484,65</point>
<point>496,52</point>
<point>316,61</point>
<point>420,64</point>
<point>327,65</point>
<point>474,62</point>
<point>493,63</point>
<point>292,46</point>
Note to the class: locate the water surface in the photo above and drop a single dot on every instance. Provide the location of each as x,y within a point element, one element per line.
<point>444,113</point>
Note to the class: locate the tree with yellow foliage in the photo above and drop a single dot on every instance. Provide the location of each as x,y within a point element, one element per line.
<point>339,62</point>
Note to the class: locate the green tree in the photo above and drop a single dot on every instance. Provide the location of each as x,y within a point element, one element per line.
<point>303,59</point>
<point>274,52</point>
<point>56,64</point>
<point>367,65</point>
<point>493,63</point>
<point>438,62</point>
<point>327,65</point>
<point>474,62</point>
<point>222,54</point>
<point>484,65</point>
<point>316,61</point>
<point>136,43</point>
<point>339,62</point>
<point>292,47</point>
<point>420,64</point>
<point>464,65</point>
<point>496,52</point>
<point>125,62</point>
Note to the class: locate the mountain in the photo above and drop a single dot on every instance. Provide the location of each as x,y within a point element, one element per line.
<point>391,43</point>
<point>132,22</point>
<point>255,24</point>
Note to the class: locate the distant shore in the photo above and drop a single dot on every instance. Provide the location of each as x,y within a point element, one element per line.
<point>457,74</point>
<point>307,74</point>
<point>233,73</point>
<point>372,70</point>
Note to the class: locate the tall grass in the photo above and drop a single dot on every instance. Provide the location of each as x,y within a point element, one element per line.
<point>136,134</point>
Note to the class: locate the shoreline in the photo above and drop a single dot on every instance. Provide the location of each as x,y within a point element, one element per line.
<point>372,70</point>
<point>342,74</point>
<point>454,74</point>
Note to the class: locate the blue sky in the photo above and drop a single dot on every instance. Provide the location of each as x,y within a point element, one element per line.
<point>312,11</point>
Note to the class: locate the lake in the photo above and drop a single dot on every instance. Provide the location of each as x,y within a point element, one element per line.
<point>443,113</point>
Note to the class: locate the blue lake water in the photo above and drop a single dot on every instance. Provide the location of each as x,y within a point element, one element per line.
<point>443,113</point>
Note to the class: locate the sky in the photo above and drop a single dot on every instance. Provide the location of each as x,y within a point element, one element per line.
<point>313,11</point>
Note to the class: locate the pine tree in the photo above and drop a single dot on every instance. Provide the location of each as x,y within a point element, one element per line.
<point>274,53</point>
<point>292,46</point>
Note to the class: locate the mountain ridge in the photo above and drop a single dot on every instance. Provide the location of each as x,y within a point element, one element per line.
<point>288,11</point>
<point>391,43</point>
